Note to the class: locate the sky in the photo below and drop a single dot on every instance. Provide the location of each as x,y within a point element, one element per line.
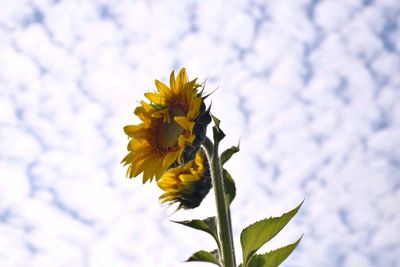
<point>311,88</point>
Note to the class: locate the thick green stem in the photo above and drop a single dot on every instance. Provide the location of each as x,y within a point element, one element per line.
<point>223,214</point>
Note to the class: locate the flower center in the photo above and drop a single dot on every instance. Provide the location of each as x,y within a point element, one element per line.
<point>168,133</point>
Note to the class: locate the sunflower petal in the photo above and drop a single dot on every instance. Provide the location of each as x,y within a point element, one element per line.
<point>162,88</point>
<point>128,158</point>
<point>184,123</point>
<point>158,168</point>
<point>172,81</point>
<point>190,92</point>
<point>148,170</point>
<point>194,109</point>
<point>154,97</point>
<point>141,113</point>
<point>135,131</point>
<point>138,145</point>
<point>181,78</point>
<point>187,178</point>
<point>163,113</point>
<point>169,159</point>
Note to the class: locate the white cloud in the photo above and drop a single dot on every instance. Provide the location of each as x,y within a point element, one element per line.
<point>310,88</point>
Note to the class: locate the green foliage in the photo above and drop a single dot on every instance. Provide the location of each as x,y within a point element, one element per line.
<point>229,183</point>
<point>205,256</point>
<point>216,120</point>
<point>227,154</point>
<point>208,225</point>
<point>273,258</point>
<point>218,134</point>
<point>230,187</point>
<point>257,234</point>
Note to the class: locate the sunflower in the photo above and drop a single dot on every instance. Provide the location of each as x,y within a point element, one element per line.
<point>187,184</point>
<point>173,125</point>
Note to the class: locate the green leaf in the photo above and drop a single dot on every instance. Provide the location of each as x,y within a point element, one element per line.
<point>216,120</point>
<point>227,154</point>
<point>218,134</point>
<point>208,225</point>
<point>205,256</point>
<point>259,233</point>
<point>230,187</point>
<point>273,258</point>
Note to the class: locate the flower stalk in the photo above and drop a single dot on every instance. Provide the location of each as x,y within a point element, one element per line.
<point>224,224</point>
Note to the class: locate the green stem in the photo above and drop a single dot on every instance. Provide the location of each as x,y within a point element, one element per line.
<point>223,214</point>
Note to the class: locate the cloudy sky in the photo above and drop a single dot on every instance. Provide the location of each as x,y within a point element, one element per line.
<point>310,87</point>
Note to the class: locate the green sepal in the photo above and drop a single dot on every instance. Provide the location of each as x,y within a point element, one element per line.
<point>230,187</point>
<point>218,134</point>
<point>257,234</point>
<point>157,106</point>
<point>227,154</point>
<point>208,225</point>
<point>199,130</point>
<point>203,85</point>
<point>215,120</point>
<point>273,258</point>
<point>205,256</point>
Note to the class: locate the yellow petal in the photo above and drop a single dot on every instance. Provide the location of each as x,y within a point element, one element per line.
<point>131,128</point>
<point>169,159</point>
<point>135,131</point>
<point>158,168</point>
<point>128,158</point>
<point>128,171</point>
<point>141,113</point>
<point>162,88</point>
<point>194,108</point>
<point>154,97</point>
<point>172,81</point>
<point>188,178</point>
<point>137,168</point>
<point>147,107</point>
<point>163,113</point>
<point>181,78</point>
<point>190,92</point>
<point>148,169</point>
<point>166,184</point>
<point>184,123</point>
<point>181,143</point>
<point>138,145</point>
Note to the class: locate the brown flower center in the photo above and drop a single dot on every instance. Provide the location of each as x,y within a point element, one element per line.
<point>163,137</point>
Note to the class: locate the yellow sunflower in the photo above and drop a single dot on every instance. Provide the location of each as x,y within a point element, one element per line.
<point>187,184</point>
<point>172,127</point>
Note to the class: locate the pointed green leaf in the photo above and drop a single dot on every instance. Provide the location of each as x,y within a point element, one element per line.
<point>227,154</point>
<point>230,188</point>
<point>258,233</point>
<point>207,95</point>
<point>205,256</point>
<point>273,258</point>
<point>216,120</point>
<point>208,225</point>
<point>218,134</point>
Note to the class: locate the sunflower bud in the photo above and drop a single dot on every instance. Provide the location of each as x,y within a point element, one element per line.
<point>187,184</point>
